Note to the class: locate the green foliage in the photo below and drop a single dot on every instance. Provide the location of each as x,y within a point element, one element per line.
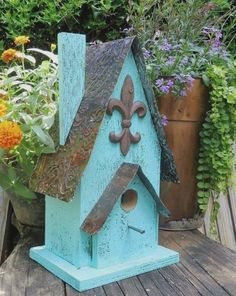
<point>216,157</point>
<point>179,20</point>
<point>180,40</point>
<point>43,19</point>
<point>192,38</point>
<point>30,93</point>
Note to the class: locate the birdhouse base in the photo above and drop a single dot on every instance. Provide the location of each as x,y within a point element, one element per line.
<point>88,277</point>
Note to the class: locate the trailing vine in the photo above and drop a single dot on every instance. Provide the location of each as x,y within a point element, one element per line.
<point>216,157</point>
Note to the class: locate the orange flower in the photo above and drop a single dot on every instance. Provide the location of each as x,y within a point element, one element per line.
<point>3,108</point>
<point>10,134</point>
<point>21,40</point>
<point>8,55</point>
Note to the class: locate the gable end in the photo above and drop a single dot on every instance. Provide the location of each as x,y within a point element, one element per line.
<point>117,186</point>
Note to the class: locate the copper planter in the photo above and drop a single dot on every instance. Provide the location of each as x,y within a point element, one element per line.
<point>185,118</point>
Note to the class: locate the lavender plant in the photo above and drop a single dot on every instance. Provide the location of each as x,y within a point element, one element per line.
<point>180,40</point>
<point>173,65</point>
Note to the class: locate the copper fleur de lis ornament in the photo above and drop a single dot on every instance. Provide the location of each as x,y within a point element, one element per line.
<point>127,108</point>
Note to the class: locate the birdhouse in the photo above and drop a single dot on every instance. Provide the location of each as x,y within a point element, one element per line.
<point>102,184</point>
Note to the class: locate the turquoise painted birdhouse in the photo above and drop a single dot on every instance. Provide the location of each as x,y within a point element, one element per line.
<point>102,184</point>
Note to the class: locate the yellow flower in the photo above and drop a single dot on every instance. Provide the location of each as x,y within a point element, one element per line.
<point>21,40</point>
<point>10,134</point>
<point>53,47</point>
<point>3,108</point>
<point>8,55</point>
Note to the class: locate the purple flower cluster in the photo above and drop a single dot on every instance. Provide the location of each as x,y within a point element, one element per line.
<point>165,46</point>
<point>170,61</point>
<point>146,53</point>
<point>185,78</point>
<point>212,31</point>
<point>187,81</point>
<point>164,120</point>
<point>183,92</point>
<point>214,40</point>
<point>164,85</point>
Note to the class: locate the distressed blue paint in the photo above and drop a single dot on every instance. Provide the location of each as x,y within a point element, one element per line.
<point>87,277</point>
<point>71,53</point>
<point>63,235</point>
<point>106,157</point>
<point>114,244</point>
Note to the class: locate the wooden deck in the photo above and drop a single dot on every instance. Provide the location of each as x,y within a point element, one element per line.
<point>206,268</point>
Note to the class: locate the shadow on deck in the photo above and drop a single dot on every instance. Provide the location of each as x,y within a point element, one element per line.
<point>205,268</point>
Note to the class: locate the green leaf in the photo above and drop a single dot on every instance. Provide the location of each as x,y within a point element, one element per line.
<point>203,207</point>
<point>23,191</point>
<point>206,79</point>
<point>5,182</point>
<point>43,136</point>
<point>11,173</point>
<point>201,194</point>
<point>199,176</point>
<point>48,150</point>
<point>201,185</point>
<point>49,54</point>
<point>26,117</point>
<point>202,168</point>
<point>47,121</point>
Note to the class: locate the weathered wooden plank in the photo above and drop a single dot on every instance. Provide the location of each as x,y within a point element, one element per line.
<point>178,281</point>
<point>132,287</point>
<point>36,275</point>
<point>232,196</point>
<point>113,289</point>
<point>198,244</point>
<point>206,268</point>
<point>155,284</point>
<point>71,79</point>
<point>13,272</point>
<point>207,217</point>
<point>202,229</point>
<point>194,281</point>
<point>226,221</point>
<point>232,200</point>
<point>20,276</point>
<point>196,274</point>
<point>207,223</point>
<point>216,260</point>
<point>225,224</point>
<point>4,223</point>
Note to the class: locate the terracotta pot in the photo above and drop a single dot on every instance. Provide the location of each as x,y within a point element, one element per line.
<point>185,118</point>
<point>29,213</point>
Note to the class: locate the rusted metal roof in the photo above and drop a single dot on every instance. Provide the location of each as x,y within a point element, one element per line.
<point>117,186</point>
<point>58,174</point>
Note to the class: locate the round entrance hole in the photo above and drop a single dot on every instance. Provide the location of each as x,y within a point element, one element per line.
<point>129,200</point>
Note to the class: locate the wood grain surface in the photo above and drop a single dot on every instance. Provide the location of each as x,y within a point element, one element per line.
<point>206,268</point>
<point>181,199</point>
<point>5,219</point>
